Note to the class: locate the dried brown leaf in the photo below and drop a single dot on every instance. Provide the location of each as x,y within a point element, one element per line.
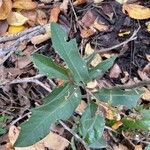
<point>54,14</point>
<point>5,9</point>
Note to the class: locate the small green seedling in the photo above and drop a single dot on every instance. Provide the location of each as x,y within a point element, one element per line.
<point>61,103</point>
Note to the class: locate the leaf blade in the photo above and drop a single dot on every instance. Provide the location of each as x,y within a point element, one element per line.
<point>118,97</point>
<point>48,67</point>
<point>39,124</point>
<point>69,52</point>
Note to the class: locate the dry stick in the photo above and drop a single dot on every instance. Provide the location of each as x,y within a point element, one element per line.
<point>40,29</point>
<point>133,37</point>
<point>30,79</point>
<point>132,86</point>
<point>75,135</point>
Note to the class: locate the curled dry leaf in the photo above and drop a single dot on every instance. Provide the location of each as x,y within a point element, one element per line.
<point>5,9</point>
<point>27,4</point>
<point>136,11</point>
<point>145,73</point>
<point>51,141</point>
<point>16,19</point>
<point>54,14</point>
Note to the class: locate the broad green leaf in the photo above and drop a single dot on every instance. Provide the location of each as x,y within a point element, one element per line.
<point>48,67</point>
<point>57,108</point>
<point>118,97</point>
<point>141,123</point>
<point>92,125</point>
<point>69,52</point>
<point>101,68</point>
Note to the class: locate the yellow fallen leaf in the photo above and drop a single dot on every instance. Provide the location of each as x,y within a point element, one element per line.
<point>117,125</point>
<point>136,11</point>
<point>92,84</point>
<point>121,34</point>
<point>15,29</point>
<point>27,4</point>
<point>54,14</point>
<point>16,19</point>
<point>148,27</point>
<point>5,9</point>
<point>88,49</point>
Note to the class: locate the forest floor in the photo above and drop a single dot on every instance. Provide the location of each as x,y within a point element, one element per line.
<point>104,26</point>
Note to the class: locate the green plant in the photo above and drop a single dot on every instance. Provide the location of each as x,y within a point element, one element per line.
<point>3,119</point>
<point>62,101</point>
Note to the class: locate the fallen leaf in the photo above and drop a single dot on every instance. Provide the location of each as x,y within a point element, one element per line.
<point>97,1</point>
<point>41,17</point>
<point>15,29</point>
<point>5,9</point>
<point>136,11</point>
<point>16,19</point>
<point>121,34</point>
<point>148,27</point>
<point>88,19</point>
<point>79,2</point>
<point>80,109</point>
<point>92,84</point>
<point>117,125</point>
<point>148,57</point>
<point>51,141</point>
<point>115,71</point>
<point>27,4</point>
<point>138,147</point>
<point>54,14</point>
<point>97,59</point>
<point>88,49</point>
<point>100,26</point>
<point>3,27</point>
<point>85,33</point>
<point>145,73</point>
<point>120,147</point>
<point>146,94</point>
<point>64,5</point>
<point>31,15</point>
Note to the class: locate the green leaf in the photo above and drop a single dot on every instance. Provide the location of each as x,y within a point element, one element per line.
<point>48,67</point>
<point>69,52</point>
<point>60,107</point>
<point>143,123</point>
<point>148,147</point>
<point>2,131</point>
<point>118,97</point>
<point>92,125</point>
<point>101,68</point>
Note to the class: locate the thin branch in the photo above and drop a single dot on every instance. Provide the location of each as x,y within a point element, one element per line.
<point>75,135</point>
<point>133,37</point>
<point>27,80</point>
<point>132,86</point>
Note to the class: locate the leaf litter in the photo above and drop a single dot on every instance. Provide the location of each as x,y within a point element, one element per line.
<point>96,25</point>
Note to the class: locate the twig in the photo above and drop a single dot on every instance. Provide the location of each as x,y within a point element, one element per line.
<point>26,80</point>
<point>132,86</point>
<point>19,118</point>
<point>133,37</point>
<point>75,135</point>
